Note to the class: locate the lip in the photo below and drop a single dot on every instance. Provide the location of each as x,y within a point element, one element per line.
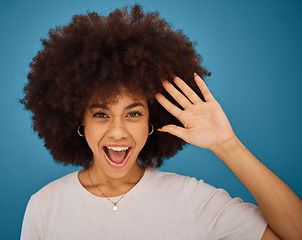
<point>116,165</point>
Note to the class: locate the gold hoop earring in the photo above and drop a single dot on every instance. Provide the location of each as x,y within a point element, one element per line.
<point>152,129</point>
<point>81,135</point>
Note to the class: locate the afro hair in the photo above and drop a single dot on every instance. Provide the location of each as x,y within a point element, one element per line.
<point>95,54</point>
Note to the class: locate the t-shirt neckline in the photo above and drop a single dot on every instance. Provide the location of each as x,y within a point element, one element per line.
<point>92,196</point>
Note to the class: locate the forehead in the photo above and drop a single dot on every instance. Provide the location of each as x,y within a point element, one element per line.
<point>122,99</point>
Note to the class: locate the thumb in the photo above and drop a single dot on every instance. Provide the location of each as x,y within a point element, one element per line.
<point>175,130</point>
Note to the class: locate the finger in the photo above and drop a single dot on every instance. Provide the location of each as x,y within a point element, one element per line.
<point>175,130</point>
<point>203,88</point>
<point>178,96</point>
<point>171,108</point>
<point>191,95</point>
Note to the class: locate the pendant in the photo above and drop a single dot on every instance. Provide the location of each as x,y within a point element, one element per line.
<point>114,208</point>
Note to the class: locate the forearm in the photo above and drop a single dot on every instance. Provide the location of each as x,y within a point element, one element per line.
<point>280,206</point>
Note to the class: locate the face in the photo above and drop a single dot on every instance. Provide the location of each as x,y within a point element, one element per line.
<point>116,133</point>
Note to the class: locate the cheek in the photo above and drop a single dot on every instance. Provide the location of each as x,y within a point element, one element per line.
<point>93,135</point>
<point>140,134</point>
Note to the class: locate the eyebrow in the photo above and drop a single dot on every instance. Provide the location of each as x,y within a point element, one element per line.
<point>133,105</point>
<point>101,106</point>
<point>105,106</point>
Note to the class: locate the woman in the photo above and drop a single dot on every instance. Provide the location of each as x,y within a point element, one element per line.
<point>116,95</point>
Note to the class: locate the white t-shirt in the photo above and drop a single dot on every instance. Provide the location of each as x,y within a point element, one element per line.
<point>161,206</point>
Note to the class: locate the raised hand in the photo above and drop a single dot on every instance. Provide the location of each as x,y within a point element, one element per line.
<point>205,123</point>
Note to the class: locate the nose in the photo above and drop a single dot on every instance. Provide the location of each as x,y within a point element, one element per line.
<point>117,130</point>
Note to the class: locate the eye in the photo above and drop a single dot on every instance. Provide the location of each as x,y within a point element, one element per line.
<point>134,114</point>
<point>100,115</point>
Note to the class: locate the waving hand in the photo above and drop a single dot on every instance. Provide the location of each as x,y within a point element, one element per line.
<point>204,122</point>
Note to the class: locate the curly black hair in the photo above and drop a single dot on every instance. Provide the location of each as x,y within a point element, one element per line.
<point>127,48</point>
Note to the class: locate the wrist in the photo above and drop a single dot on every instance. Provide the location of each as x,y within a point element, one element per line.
<point>228,147</point>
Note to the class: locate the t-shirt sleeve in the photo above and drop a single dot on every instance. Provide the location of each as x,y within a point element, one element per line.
<point>218,216</point>
<point>31,227</point>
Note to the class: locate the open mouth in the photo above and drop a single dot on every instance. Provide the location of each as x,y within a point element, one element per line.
<point>116,156</point>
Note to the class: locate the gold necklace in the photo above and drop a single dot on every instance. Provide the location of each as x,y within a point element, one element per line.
<point>114,208</point>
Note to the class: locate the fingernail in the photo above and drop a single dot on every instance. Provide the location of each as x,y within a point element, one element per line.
<point>195,74</point>
<point>176,78</point>
<point>160,130</point>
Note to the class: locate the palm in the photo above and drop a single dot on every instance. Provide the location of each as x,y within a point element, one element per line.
<point>205,123</point>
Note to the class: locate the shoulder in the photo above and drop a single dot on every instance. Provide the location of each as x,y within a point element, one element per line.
<point>57,188</point>
<point>178,182</point>
<point>166,177</point>
<point>197,192</point>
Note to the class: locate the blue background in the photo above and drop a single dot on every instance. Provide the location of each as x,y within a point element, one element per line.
<point>253,49</point>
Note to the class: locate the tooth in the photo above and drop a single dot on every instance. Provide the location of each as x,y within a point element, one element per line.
<point>118,148</point>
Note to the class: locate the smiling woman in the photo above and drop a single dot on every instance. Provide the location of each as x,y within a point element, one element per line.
<point>131,94</point>
<point>116,134</point>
